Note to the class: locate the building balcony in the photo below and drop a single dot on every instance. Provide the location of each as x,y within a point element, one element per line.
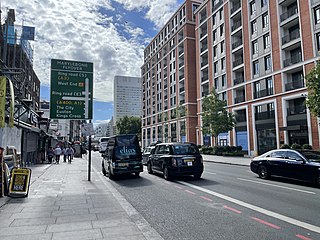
<point>291,36</point>
<point>204,93</point>
<point>295,84</point>
<point>263,93</point>
<point>204,78</point>
<point>238,61</point>
<point>181,64</point>
<point>181,89</point>
<point>293,60</point>
<point>204,63</point>
<point>288,14</point>
<point>238,80</point>
<point>236,44</point>
<point>217,5</point>
<point>203,34</point>
<point>235,26</point>
<point>296,110</point>
<point>264,115</point>
<point>204,48</point>
<point>181,77</point>
<point>235,7</point>
<point>241,118</point>
<point>239,99</point>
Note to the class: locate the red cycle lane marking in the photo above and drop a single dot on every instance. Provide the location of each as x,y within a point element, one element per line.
<point>190,192</point>
<point>205,198</point>
<point>232,209</point>
<point>178,187</point>
<point>303,237</point>
<point>266,223</point>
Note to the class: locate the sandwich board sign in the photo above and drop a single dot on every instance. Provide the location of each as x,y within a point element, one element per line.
<point>71,93</point>
<point>19,182</point>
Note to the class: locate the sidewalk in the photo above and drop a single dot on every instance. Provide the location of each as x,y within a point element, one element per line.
<point>63,204</point>
<point>243,161</point>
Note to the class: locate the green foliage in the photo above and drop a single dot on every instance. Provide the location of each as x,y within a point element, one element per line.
<point>285,146</point>
<point>129,125</point>
<point>296,146</point>
<point>313,86</point>
<point>306,147</point>
<point>215,117</point>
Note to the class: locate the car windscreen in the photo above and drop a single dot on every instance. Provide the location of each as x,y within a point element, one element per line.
<point>312,156</point>
<point>185,149</point>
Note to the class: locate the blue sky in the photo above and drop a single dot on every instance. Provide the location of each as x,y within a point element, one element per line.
<point>110,33</point>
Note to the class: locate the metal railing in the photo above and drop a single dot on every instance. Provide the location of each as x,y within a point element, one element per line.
<point>295,84</point>
<point>236,44</point>
<point>264,115</point>
<point>236,25</point>
<point>238,61</point>
<point>291,36</point>
<point>239,99</point>
<point>288,14</point>
<point>263,93</point>
<point>293,60</point>
<point>235,7</point>
<point>238,80</point>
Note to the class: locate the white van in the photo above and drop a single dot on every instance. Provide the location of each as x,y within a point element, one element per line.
<point>103,142</point>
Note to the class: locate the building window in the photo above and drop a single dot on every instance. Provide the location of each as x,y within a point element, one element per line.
<point>269,86</point>
<point>254,28</point>
<point>317,15</point>
<point>215,67</point>
<point>253,8</point>
<point>255,48</point>
<point>265,20</point>
<point>267,62</point>
<point>255,67</point>
<point>214,19</point>
<point>216,83</point>
<point>223,63</point>
<point>264,3</point>
<point>221,13</point>
<point>266,41</point>
<point>318,41</point>
<point>221,30</point>
<point>214,35</point>
<point>223,80</point>
<point>222,46</point>
<point>215,51</point>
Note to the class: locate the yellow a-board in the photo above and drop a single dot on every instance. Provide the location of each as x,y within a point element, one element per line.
<point>19,182</point>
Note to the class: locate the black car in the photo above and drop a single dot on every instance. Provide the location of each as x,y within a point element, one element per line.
<point>176,159</point>
<point>146,153</point>
<point>301,165</point>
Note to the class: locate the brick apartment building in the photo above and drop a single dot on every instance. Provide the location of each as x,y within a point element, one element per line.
<point>169,80</point>
<point>254,53</point>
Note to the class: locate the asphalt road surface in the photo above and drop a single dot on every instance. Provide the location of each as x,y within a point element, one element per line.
<point>229,202</point>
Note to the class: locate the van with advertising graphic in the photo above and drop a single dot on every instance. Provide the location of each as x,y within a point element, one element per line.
<point>122,156</point>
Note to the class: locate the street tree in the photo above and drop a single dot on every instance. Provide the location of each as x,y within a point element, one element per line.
<point>215,117</point>
<point>313,86</point>
<point>129,125</point>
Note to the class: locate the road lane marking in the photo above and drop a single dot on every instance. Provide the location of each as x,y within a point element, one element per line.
<point>210,173</point>
<point>256,208</point>
<point>303,237</point>
<point>190,192</point>
<point>266,223</point>
<point>205,198</point>
<point>232,209</point>
<point>278,186</point>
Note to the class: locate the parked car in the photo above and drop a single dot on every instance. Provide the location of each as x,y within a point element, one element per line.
<point>122,156</point>
<point>146,153</point>
<point>176,159</point>
<point>301,165</point>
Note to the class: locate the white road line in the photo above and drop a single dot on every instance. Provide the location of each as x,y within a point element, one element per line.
<point>213,173</point>
<point>255,208</point>
<point>278,186</point>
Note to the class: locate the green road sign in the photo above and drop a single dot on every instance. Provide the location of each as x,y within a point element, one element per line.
<point>71,89</point>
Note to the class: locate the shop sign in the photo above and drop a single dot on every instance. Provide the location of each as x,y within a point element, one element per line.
<point>19,182</point>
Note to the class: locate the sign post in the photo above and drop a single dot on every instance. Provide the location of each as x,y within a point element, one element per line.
<point>71,89</point>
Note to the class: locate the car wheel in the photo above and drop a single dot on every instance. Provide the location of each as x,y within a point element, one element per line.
<point>197,176</point>
<point>317,181</point>
<point>166,173</point>
<point>149,167</point>
<point>104,172</point>
<point>110,175</point>
<point>263,172</point>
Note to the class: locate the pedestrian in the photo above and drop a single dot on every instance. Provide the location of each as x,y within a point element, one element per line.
<point>69,152</point>
<point>50,154</point>
<point>65,154</point>
<point>57,152</point>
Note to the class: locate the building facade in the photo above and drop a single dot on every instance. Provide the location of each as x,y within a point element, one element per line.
<point>255,54</point>
<point>127,97</point>
<point>169,80</point>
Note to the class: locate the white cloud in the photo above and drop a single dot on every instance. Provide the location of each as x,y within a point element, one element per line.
<point>76,30</point>
<point>158,11</point>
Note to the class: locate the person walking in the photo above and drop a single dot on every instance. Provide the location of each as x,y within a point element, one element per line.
<point>69,152</point>
<point>57,152</point>
<point>65,154</point>
<point>50,154</point>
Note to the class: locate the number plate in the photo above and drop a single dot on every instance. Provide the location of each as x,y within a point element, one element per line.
<point>123,164</point>
<point>189,163</point>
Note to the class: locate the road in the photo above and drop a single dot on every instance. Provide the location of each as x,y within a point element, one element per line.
<point>229,202</point>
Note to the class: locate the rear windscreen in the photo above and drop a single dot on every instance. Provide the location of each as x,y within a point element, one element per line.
<point>127,146</point>
<point>185,149</point>
<point>104,140</point>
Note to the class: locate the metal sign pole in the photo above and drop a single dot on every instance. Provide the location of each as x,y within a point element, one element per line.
<point>89,164</point>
